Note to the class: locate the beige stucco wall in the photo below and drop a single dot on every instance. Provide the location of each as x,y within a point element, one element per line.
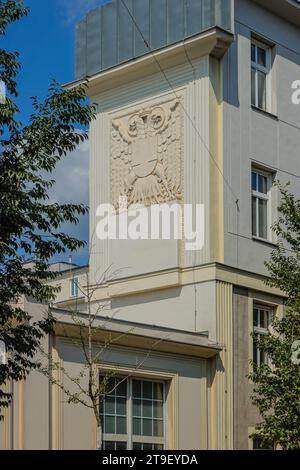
<point>189,390</point>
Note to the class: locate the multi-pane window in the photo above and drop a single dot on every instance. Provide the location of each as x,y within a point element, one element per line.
<point>260,75</point>
<point>133,415</point>
<point>262,318</point>
<point>74,287</point>
<point>261,183</point>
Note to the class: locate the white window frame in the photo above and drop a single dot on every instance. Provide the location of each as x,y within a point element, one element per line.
<point>74,290</point>
<point>261,331</point>
<point>266,197</point>
<point>266,70</point>
<point>129,438</point>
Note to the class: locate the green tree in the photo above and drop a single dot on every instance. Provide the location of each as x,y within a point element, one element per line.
<point>277,384</point>
<point>31,226</point>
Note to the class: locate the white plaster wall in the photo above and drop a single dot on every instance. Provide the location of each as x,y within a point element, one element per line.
<point>192,83</point>
<point>189,308</point>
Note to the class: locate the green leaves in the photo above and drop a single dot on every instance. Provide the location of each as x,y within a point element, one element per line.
<point>11,11</point>
<point>31,226</point>
<point>277,386</point>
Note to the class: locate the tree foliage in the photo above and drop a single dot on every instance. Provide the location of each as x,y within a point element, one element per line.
<point>30,224</point>
<point>277,384</point>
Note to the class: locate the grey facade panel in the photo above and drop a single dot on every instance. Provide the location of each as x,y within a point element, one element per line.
<point>141,14</point>
<point>81,49</point>
<point>93,41</point>
<point>125,28</point>
<point>108,36</point>
<point>193,17</point>
<point>176,21</point>
<point>158,22</point>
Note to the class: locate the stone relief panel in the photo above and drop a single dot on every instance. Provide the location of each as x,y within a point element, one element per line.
<point>146,155</point>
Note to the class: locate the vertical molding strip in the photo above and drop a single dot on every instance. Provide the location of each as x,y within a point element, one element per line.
<point>224,368</point>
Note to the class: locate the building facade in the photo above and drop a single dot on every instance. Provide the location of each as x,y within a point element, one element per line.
<point>194,107</point>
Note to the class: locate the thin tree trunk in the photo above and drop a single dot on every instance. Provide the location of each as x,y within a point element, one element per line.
<point>99,437</point>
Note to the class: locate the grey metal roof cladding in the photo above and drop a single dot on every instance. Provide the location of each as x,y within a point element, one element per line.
<point>107,35</point>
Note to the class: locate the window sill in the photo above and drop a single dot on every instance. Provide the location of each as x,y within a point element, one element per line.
<point>266,242</point>
<point>266,113</point>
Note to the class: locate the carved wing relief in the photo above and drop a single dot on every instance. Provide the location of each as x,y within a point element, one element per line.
<point>146,156</point>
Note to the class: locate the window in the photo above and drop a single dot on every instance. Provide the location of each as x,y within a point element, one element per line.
<point>74,287</point>
<point>261,184</point>
<point>133,415</point>
<point>258,444</point>
<point>262,318</point>
<point>260,75</point>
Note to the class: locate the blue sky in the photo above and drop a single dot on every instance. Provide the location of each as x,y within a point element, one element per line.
<point>45,40</point>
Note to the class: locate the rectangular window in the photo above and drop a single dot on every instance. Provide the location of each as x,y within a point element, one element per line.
<point>262,318</point>
<point>133,415</point>
<point>260,75</point>
<point>261,184</point>
<point>74,287</point>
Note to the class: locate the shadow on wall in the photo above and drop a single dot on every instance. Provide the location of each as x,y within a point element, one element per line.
<point>145,298</point>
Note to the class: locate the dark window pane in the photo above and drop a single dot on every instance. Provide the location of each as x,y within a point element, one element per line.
<point>255,354</point>
<point>109,425</point>
<point>262,90</point>
<point>254,181</point>
<point>108,445</point>
<point>255,317</point>
<point>147,409</point>
<point>147,446</point>
<point>136,388</point>
<point>253,87</point>
<point>264,319</point>
<point>254,217</point>
<point>108,386</point>
<point>261,57</point>
<point>158,391</point>
<point>147,427</point>
<point>147,390</point>
<point>253,51</point>
<point>158,428</point>
<point>262,184</point>
<point>137,408</point>
<point>137,446</point>
<point>109,406</point>
<point>263,218</point>
<point>158,410</point>
<point>121,445</point>
<point>121,390</point>
<point>121,425</point>
<point>121,406</point>
<point>137,426</point>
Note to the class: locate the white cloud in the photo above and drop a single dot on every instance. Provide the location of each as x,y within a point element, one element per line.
<point>71,178</point>
<point>74,10</point>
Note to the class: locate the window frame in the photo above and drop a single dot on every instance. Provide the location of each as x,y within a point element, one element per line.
<point>129,437</point>
<point>74,291</point>
<point>265,197</point>
<point>261,331</point>
<point>267,70</point>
